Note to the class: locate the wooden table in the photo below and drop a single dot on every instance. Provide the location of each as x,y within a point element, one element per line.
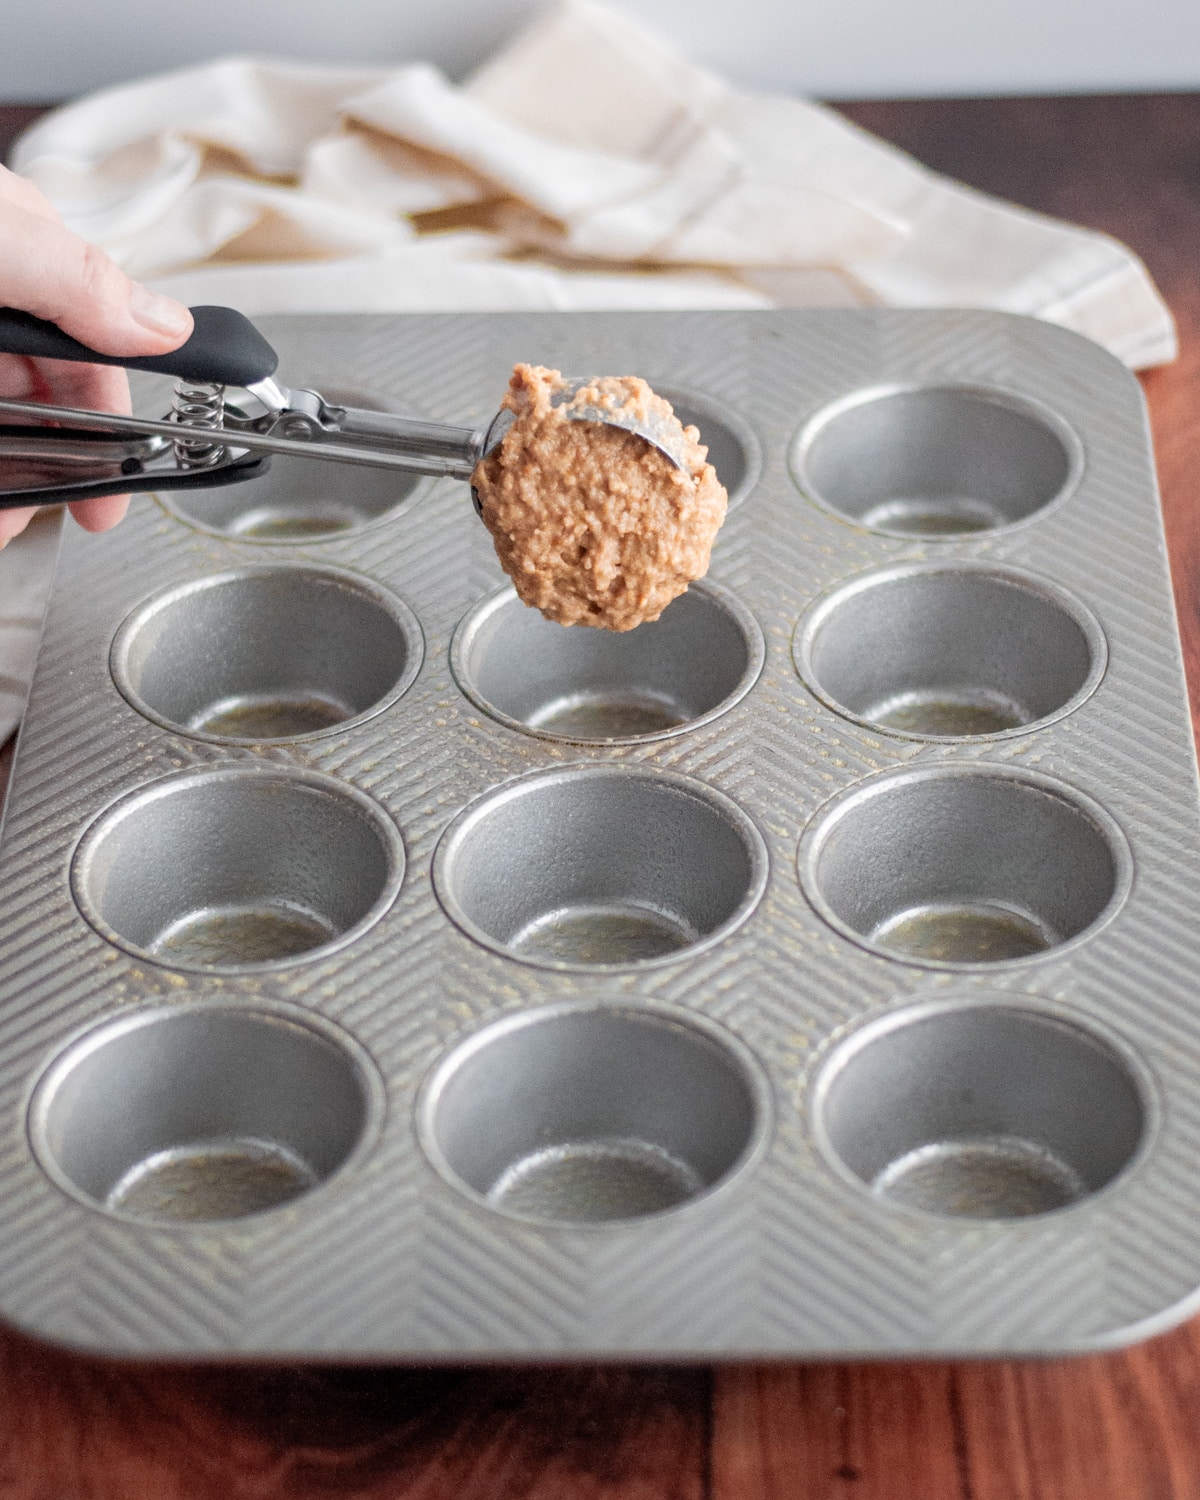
<point>1113,1427</point>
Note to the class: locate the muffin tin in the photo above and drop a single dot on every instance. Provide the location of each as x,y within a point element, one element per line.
<point>388,973</point>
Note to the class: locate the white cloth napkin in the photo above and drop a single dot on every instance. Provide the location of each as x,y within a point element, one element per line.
<point>26,567</point>
<point>588,165</point>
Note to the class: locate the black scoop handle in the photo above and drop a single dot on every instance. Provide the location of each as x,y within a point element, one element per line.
<point>224,348</point>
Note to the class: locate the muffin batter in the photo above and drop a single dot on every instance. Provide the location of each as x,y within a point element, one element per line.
<point>593,524</point>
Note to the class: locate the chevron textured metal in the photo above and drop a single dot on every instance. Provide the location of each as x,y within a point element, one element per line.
<point>791,1256</point>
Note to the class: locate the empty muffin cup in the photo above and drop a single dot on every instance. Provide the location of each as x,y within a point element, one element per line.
<point>700,657</point>
<point>951,866</point>
<point>981,1110</point>
<point>585,1114</point>
<point>936,460</point>
<point>267,653</point>
<point>301,499</point>
<point>201,1112</point>
<point>238,867</point>
<point>597,866</point>
<point>733,449</point>
<point>950,651</point>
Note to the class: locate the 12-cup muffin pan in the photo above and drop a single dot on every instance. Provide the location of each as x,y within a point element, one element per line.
<point>388,973</point>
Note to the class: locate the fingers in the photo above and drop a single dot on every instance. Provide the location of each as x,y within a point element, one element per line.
<point>13,522</point>
<point>62,383</point>
<point>92,515</point>
<point>50,272</point>
<point>101,513</point>
<point>21,191</point>
<point>93,387</point>
<point>96,388</point>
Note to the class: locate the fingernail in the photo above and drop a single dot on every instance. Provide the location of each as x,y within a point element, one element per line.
<point>162,314</point>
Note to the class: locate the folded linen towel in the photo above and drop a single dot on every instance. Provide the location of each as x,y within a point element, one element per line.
<point>26,568</point>
<point>588,165</point>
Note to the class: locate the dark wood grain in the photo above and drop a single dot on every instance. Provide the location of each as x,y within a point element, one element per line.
<point>1122,1426</point>
<point>73,1428</point>
<point>14,118</point>
<point>1106,1427</point>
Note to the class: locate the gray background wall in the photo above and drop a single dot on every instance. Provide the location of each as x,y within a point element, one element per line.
<point>54,49</point>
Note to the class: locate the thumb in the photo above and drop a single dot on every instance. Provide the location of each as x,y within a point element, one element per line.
<point>50,272</point>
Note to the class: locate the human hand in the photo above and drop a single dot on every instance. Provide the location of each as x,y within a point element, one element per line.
<point>50,272</point>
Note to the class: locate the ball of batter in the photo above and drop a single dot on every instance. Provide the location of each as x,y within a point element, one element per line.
<point>593,524</point>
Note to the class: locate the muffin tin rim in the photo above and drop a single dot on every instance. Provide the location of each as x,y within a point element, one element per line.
<point>825,817</point>
<point>360,583</point>
<point>818,611</point>
<point>466,1043</point>
<point>726,413</point>
<point>683,783</point>
<point>481,611</point>
<point>798,445</point>
<point>82,1040</point>
<point>844,1043</point>
<point>123,803</point>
